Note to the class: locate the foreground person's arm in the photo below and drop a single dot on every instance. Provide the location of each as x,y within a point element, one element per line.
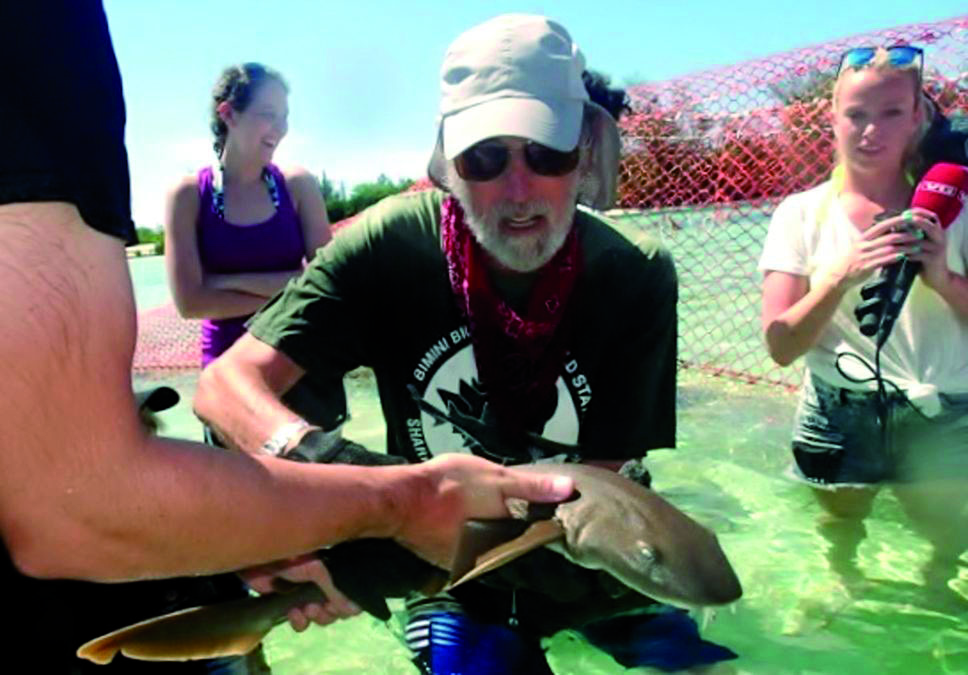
<point>85,493</point>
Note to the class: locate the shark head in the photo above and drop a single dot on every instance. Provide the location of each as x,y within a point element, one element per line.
<point>699,576</point>
<point>645,542</point>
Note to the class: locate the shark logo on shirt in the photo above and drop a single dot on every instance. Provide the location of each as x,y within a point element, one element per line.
<point>448,388</point>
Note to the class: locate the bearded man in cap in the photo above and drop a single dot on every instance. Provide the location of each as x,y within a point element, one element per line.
<point>499,317</point>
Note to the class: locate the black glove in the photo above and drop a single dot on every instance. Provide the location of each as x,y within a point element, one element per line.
<point>367,570</point>
<point>320,448</point>
<point>548,596</point>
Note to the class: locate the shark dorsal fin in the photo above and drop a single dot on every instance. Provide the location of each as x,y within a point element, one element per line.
<point>487,545</point>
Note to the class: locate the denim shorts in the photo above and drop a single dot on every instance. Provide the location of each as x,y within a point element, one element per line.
<point>839,440</point>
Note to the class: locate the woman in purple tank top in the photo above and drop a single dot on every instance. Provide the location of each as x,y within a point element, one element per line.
<point>236,232</point>
<point>239,230</point>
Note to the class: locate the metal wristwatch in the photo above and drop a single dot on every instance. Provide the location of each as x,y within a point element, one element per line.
<point>281,437</point>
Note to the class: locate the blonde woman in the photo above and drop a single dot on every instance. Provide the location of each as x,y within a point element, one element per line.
<point>897,415</point>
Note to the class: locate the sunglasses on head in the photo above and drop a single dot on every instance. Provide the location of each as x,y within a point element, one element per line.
<point>898,56</point>
<point>488,159</point>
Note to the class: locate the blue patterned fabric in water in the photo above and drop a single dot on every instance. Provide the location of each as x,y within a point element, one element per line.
<point>446,643</point>
<point>662,637</point>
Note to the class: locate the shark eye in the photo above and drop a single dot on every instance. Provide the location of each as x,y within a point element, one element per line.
<point>646,551</point>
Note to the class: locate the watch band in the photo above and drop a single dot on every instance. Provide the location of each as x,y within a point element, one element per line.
<point>275,444</point>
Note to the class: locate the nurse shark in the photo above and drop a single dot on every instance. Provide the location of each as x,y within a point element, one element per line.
<point>611,523</point>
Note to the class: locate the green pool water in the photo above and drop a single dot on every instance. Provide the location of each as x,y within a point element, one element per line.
<point>796,615</point>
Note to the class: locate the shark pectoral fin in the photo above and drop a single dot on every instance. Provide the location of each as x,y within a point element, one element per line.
<point>226,629</point>
<point>498,550</point>
<point>477,537</point>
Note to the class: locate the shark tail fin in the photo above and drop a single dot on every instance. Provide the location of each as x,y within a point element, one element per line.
<point>225,629</point>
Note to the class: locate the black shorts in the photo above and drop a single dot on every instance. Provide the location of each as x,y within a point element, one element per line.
<point>62,112</point>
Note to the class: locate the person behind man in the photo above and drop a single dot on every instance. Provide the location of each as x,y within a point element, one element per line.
<point>85,491</point>
<point>946,139</point>
<point>499,317</point>
<point>239,229</point>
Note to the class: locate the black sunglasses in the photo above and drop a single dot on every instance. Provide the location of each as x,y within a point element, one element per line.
<point>898,56</point>
<point>487,160</point>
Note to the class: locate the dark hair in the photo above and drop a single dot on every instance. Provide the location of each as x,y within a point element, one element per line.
<point>946,139</point>
<point>614,100</point>
<point>237,85</point>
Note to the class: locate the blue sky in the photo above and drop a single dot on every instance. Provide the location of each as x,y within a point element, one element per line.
<point>363,75</point>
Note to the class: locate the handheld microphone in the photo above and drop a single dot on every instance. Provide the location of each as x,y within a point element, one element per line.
<point>943,190</point>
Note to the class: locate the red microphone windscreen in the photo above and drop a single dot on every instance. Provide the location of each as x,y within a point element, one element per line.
<point>943,190</point>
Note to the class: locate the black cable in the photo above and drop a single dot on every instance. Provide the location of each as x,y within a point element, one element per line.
<point>881,395</point>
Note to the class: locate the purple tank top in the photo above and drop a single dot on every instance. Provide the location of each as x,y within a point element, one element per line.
<point>274,245</point>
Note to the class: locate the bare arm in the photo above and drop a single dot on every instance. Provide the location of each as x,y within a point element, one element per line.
<point>793,322</point>
<point>953,287</point>
<point>85,493</point>
<point>262,284</point>
<point>794,314</point>
<point>196,294</point>
<point>238,394</point>
<point>311,208</point>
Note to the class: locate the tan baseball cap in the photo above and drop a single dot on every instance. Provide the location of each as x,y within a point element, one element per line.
<point>521,75</point>
<point>514,75</point>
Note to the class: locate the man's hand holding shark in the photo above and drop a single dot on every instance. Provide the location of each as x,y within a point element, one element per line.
<point>432,531</point>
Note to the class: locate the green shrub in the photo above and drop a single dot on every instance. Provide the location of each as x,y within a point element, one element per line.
<point>148,235</point>
<point>339,205</point>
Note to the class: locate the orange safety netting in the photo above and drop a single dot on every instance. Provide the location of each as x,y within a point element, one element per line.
<point>706,158</point>
<point>166,341</point>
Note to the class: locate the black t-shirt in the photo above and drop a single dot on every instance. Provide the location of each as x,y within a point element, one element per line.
<point>378,295</point>
<point>62,113</point>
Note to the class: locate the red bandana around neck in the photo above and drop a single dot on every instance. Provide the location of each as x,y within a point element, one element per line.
<point>519,357</point>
